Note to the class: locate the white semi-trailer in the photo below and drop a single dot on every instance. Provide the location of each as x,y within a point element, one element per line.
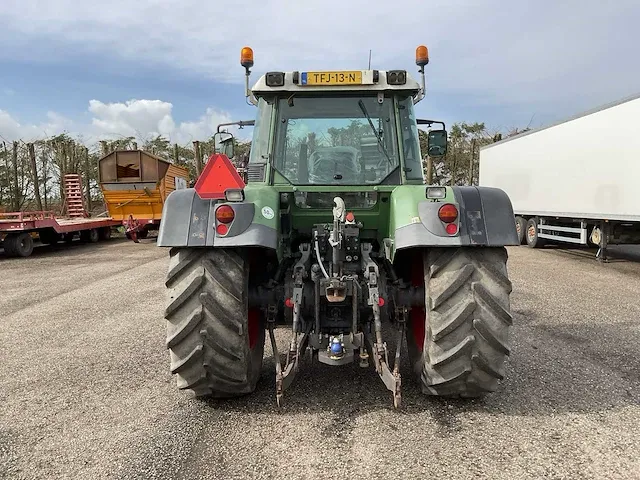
<point>577,181</point>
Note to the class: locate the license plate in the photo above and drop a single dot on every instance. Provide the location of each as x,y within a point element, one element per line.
<point>331,78</point>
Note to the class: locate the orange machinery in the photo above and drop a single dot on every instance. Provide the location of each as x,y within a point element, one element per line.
<point>135,185</point>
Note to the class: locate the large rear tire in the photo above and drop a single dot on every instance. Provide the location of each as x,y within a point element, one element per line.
<point>459,345</point>
<point>215,341</point>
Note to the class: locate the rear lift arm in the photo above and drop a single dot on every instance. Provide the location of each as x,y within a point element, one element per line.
<point>363,281</point>
<point>285,378</point>
<point>392,380</point>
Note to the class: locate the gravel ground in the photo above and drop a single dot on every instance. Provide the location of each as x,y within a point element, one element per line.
<point>85,390</point>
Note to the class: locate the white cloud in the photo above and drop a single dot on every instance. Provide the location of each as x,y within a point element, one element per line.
<point>142,119</point>
<point>522,53</point>
<point>206,125</point>
<point>535,57</point>
<point>11,129</point>
<point>132,118</point>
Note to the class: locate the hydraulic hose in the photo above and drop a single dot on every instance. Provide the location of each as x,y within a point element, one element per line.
<point>317,250</point>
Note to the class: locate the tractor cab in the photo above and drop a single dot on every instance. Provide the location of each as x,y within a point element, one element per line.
<point>336,128</point>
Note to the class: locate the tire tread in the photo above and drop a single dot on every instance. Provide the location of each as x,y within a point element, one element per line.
<point>468,319</point>
<point>206,317</point>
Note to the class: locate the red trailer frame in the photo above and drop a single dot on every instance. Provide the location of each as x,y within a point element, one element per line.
<point>17,227</point>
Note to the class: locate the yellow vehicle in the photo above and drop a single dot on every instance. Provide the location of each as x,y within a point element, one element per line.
<point>135,184</point>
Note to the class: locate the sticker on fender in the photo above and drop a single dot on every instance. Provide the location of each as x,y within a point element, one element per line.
<point>267,212</point>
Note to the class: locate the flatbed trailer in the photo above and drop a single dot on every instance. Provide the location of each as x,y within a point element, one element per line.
<point>17,230</point>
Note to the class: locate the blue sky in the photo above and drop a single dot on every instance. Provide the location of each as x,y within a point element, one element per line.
<point>169,67</point>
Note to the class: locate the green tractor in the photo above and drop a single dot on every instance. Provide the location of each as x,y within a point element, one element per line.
<point>334,235</point>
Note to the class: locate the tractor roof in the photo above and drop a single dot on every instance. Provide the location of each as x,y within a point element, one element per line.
<point>336,81</point>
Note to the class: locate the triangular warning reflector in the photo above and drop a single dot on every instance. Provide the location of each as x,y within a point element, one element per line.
<point>218,176</point>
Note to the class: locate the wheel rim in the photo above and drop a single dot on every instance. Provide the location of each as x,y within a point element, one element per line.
<point>518,228</point>
<point>253,321</point>
<point>531,232</point>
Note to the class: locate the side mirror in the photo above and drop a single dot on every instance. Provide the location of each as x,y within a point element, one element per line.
<point>437,143</point>
<point>223,143</point>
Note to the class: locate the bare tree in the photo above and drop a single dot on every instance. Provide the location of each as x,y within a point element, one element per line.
<point>34,172</point>
<point>17,192</point>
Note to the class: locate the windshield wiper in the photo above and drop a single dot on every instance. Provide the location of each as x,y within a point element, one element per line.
<point>375,132</point>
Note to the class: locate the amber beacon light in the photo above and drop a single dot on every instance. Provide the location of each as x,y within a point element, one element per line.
<point>422,56</point>
<point>246,57</point>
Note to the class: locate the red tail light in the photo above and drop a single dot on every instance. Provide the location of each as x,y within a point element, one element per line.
<point>448,213</point>
<point>222,229</point>
<point>225,214</point>
<point>451,228</point>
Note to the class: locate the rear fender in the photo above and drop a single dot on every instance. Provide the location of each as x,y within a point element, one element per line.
<point>189,221</point>
<point>485,219</point>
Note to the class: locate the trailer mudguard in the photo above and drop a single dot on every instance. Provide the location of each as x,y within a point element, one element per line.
<point>189,221</point>
<point>485,219</point>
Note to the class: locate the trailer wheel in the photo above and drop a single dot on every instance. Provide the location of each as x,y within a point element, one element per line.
<point>8,245</point>
<point>92,235</point>
<point>521,227</point>
<point>18,245</point>
<point>459,344</point>
<point>215,341</point>
<point>532,234</point>
<point>105,233</point>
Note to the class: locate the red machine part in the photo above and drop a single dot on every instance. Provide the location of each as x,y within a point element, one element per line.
<point>132,228</point>
<point>218,176</point>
